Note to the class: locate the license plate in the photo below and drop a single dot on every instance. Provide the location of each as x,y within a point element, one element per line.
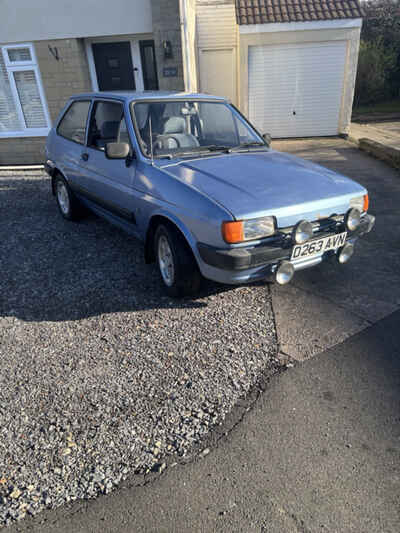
<point>319,246</point>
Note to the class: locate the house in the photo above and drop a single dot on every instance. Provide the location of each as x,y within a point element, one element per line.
<point>50,50</point>
<point>289,65</point>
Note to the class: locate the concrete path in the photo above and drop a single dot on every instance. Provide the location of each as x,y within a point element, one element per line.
<point>320,451</point>
<point>380,139</point>
<point>384,132</point>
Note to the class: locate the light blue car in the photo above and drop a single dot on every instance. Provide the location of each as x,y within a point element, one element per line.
<point>190,177</point>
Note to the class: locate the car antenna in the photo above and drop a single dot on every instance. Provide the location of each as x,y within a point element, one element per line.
<point>151,139</point>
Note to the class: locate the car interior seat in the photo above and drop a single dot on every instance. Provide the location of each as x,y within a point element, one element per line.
<point>108,133</point>
<point>174,135</point>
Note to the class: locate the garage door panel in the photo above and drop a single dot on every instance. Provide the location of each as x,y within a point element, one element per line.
<point>295,90</point>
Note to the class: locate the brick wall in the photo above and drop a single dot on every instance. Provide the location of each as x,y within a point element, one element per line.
<point>166,27</point>
<point>61,79</point>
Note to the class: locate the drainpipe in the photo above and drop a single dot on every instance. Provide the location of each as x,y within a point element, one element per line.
<point>185,46</point>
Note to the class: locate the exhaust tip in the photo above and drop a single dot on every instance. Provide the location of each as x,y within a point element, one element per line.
<point>345,253</point>
<point>284,273</point>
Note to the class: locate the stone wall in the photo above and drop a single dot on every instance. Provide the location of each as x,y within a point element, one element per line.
<point>65,77</point>
<point>166,27</point>
<point>22,151</point>
<point>70,75</point>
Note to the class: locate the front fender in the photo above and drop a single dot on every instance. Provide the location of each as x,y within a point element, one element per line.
<point>179,224</point>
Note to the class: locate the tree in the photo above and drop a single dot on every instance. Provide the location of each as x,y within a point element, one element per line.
<point>378,75</point>
<point>375,64</point>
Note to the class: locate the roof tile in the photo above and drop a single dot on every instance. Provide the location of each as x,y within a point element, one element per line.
<point>267,11</point>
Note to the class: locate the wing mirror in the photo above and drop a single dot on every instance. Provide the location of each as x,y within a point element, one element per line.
<point>117,150</point>
<point>267,138</point>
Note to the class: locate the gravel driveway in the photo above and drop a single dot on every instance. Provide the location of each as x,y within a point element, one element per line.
<point>101,374</point>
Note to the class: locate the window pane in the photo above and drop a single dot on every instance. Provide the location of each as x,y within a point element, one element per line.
<point>149,65</point>
<point>73,125</point>
<point>178,126</point>
<point>29,98</point>
<point>19,54</point>
<point>245,134</point>
<point>9,120</point>
<point>105,124</point>
<point>219,126</point>
<point>123,132</point>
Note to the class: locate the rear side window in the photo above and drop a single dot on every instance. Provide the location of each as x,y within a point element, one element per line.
<point>73,123</point>
<point>107,125</point>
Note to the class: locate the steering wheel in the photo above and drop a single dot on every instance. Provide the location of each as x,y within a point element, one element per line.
<point>165,141</point>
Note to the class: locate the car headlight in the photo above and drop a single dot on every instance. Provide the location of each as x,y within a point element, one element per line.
<point>360,202</point>
<point>248,230</point>
<point>352,219</point>
<point>302,232</point>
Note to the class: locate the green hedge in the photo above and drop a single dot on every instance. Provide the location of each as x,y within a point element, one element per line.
<point>378,74</point>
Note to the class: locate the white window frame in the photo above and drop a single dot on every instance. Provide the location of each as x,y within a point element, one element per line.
<point>135,53</point>
<point>22,66</point>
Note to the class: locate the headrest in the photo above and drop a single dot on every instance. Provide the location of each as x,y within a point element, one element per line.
<point>109,129</point>
<point>175,125</point>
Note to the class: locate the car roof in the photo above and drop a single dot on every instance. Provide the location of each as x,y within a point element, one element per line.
<point>135,96</point>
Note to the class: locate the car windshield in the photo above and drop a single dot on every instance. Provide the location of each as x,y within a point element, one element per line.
<point>179,127</point>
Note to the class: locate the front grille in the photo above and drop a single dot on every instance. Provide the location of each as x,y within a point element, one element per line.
<point>319,226</point>
<point>283,236</point>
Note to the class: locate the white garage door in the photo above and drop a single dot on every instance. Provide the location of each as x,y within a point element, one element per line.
<point>295,90</point>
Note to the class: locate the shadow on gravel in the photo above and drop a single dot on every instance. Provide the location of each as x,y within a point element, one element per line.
<point>101,374</point>
<point>55,270</point>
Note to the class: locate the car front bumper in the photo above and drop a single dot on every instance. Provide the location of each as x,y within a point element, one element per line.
<point>251,263</point>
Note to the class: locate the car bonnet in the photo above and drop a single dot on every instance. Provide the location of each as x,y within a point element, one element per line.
<point>263,183</point>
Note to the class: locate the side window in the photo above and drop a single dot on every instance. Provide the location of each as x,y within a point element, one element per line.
<point>123,132</point>
<point>73,123</point>
<point>107,125</point>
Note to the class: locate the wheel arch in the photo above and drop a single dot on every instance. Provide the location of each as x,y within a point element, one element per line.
<point>172,222</point>
<point>56,172</point>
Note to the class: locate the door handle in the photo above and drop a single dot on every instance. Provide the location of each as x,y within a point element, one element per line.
<point>85,156</point>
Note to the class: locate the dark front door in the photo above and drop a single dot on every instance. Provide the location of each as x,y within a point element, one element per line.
<point>114,68</point>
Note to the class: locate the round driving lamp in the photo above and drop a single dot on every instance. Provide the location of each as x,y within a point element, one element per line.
<point>345,253</point>
<point>284,273</point>
<point>302,232</point>
<point>353,218</point>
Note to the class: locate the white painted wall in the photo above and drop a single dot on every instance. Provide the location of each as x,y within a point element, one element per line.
<point>217,42</point>
<point>36,20</point>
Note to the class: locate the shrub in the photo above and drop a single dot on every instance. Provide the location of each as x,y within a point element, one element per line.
<point>376,63</point>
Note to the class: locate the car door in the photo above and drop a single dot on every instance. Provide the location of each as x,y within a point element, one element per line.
<point>108,182</point>
<point>71,139</point>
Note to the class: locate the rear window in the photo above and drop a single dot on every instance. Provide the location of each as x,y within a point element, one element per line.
<point>73,123</point>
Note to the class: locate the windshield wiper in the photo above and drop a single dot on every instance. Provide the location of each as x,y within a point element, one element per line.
<point>255,144</point>
<point>217,148</point>
<point>163,156</point>
<point>246,147</point>
<point>203,151</point>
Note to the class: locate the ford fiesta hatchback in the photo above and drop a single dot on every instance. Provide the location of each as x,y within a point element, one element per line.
<point>191,178</point>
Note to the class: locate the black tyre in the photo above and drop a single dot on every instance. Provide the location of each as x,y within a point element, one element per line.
<point>67,203</point>
<point>178,268</point>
